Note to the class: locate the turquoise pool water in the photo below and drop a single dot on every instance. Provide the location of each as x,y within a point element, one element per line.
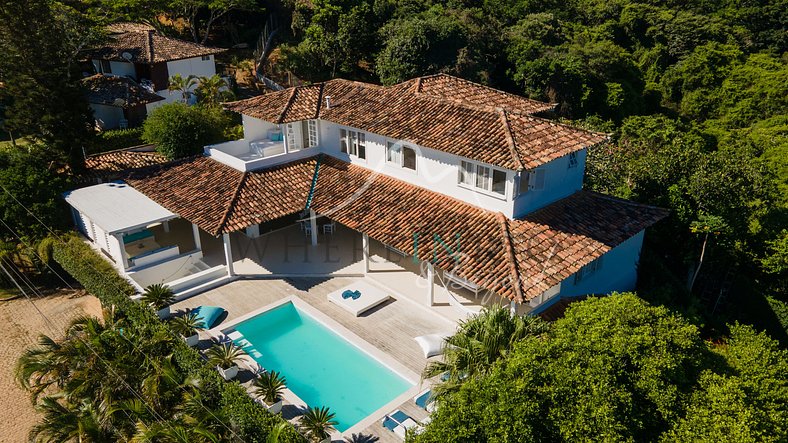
<point>321,367</point>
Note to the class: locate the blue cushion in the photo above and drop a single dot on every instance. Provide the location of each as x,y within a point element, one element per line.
<point>145,233</point>
<point>399,416</point>
<point>421,401</point>
<point>208,315</point>
<point>346,294</point>
<point>389,424</point>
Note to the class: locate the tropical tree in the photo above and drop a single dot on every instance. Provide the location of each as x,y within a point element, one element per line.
<point>479,342</point>
<point>213,90</point>
<point>224,355</point>
<point>270,385</point>
<point>158,296</point>
<point>179,130</point>
<point>183,85</point>
<point>317,423</point>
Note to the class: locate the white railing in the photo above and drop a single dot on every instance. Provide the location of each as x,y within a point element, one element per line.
<point>245,156</point>
<point>154,256</point>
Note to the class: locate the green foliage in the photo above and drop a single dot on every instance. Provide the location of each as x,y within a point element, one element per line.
<point>186,325</point>
<point>30,190</point>
<point>40,75</point>
<point>158,295</point>
<point>618,369</point>
<point>224,355</point>
<point>114,139</point>
<point>479,342</point>
<point>270,385</point>
<point>179,130</point>
<point>317,422</point>
<point>226,401</point>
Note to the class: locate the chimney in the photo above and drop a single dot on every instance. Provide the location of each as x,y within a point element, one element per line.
<point>328,102</point>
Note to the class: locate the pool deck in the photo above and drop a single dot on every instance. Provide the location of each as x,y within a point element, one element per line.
<point>390,328</point>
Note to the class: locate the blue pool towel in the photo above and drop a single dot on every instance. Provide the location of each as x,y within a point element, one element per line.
<point>208,315</point>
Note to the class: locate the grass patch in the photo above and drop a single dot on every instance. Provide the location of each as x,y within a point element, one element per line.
<point>8,294</point>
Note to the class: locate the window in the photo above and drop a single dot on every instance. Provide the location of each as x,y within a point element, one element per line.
<point>572,160</point>
<point>206,58</point>
<point>312,131</point>
<point>482,177</point>
<point>106,67</point>
<point>588,270</point>
<point>400,155</point>
<point>353,143</point>
<point>408,158</point>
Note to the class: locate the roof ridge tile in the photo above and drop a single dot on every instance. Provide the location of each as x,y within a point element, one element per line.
<point>510,257</point>
<point>510,138</point>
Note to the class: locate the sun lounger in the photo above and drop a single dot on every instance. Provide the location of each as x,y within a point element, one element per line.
<point>370,296</point>
<point>424,400</point>
<point>398,422</point>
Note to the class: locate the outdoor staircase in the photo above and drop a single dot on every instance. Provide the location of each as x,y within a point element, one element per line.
<point>201,278</point>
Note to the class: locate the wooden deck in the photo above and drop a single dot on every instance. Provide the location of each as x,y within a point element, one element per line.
<point>389,327</point>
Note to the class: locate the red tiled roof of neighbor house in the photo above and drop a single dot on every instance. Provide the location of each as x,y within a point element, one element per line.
<point>517,259</point>
<point>145,45</point>
<point>474,121</point>
<point>115,164</point>
<point>114,90</point>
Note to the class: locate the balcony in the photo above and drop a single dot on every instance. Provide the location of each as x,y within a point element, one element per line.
<point>246,155</point>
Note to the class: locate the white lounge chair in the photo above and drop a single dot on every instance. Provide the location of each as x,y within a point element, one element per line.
<point>371,296</point>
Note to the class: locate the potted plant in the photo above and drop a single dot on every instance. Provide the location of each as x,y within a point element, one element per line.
<point>270,386</point>
<point>187,326</point>
<point>159,297</point>
<point>318,423</point>
<point>225,356</point>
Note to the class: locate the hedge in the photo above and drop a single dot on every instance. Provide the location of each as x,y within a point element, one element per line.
<point>114,139</point>
<point>250,421</point>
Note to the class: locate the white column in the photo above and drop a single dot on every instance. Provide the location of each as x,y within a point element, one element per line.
<point>228,254</point>
<point>124,256</point>
<point>513,308</point>
<point>431,283</point>
<point>196,232</point>
<point>166,225</point>
<point>313,224</point>
<point>365,247</point>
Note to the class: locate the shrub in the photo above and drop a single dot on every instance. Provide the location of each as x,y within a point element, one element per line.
<point>114,139</point>
<point>179,130</point>
<point>251,423</point>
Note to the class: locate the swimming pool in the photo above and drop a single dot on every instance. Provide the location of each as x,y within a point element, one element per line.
<point>321,367</point>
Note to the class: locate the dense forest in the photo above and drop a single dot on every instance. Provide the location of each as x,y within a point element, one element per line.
<point>694,95</point>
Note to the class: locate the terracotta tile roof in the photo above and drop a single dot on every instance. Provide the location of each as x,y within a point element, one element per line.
<point>147,46</point>
<point>467,92</point>
<point>219,198</point>
<point>111,165</point>
<point>118,91</point>
<point>122,27</point>
<point>558,309</point>
<point>517,259</point>
<point>484,131</point>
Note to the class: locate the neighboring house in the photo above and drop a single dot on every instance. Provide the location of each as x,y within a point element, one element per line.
<point>139,53</point>
<point>117,101</point>
<point>462,179</point>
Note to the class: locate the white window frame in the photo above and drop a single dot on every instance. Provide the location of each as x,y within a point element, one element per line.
<point>398,157</point>
<point>472,175</point>
<point>353,143</point>
<point>588,270</point>
<point>206,58</point>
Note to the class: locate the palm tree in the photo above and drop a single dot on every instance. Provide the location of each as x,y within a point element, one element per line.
<point>362,438</point>
<point>270,386</point>
<point>479,342</point>
<point>224,355</point>
<point>64,422</point>
<point>276,432</point>
<point>183,85</point>
<point>158,296</point>
<point>213,90</point>
<point>317,423</point>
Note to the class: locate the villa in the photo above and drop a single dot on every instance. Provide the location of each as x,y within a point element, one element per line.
<point>131,72</point>
<point>444,194</point>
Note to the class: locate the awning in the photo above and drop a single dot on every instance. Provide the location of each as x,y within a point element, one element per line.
<point>117,207</point>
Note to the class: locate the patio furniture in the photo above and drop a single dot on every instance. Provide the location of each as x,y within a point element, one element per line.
<point>208,315</point>
<point>370,297</point>
<point>425,401</point>
<point>432,344</point>
<point>398,422</point>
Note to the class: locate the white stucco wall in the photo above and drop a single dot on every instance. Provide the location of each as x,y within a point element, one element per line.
<point>560,181</point>
<point>117,68</point>
<point>192,66</point>
<point>435,170</point>
<point>256,129</point>
<point>106,117</point>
